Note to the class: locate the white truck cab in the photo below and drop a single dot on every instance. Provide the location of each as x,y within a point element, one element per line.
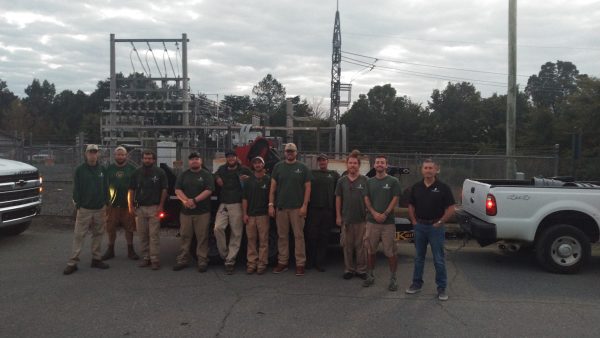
<point>20,196</point>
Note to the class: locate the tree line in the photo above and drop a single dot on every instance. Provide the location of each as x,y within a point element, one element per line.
<point>558,106</point>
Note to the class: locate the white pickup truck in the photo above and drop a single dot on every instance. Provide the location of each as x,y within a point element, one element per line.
<point>20,196</point>
<point>557,219</point>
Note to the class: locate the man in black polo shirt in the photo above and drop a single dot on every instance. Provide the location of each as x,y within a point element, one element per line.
<point>431,204</point>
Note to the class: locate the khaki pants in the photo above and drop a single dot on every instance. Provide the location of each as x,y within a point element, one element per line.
<point>258,229</point>
<point>285,217</point>
<point>229,214</point>
<point>190,225</point>
<point>148,229</point>
<point>116,217</point>
<point>94,221</point>
<point>353,243</point>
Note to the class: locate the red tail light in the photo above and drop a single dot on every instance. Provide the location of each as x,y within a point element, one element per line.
<point>491,209</point>
<point>162,215</point>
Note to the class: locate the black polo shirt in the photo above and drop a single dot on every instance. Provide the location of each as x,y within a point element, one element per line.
<point>430,202</point>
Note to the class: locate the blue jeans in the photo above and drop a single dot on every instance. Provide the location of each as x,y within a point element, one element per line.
<point>428,234</point>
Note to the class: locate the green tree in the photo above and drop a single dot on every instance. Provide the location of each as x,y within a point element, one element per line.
<point>269,94</point>
<point>554,82</point>
<point>6,99</point>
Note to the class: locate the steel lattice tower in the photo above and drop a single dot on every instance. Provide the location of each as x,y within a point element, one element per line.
<point>336,71</point>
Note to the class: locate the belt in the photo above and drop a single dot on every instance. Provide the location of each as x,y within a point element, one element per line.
<point>427,221</point>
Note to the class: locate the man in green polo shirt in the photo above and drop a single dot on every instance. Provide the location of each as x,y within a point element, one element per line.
<point>118,175</point>
<point>383,192</point>
<point>90,195</point>
<point>194,188</point>
<point>351,215</point>
<point>321,213</point>
<point>288,203</point>
<point>255,208</point>
<point>148,192</point>
<point>230,177</point>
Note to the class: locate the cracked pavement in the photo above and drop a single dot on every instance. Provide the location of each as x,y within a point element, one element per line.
<point>491,294</point>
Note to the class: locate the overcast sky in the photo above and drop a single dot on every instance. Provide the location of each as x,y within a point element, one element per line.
<point>234,44</point>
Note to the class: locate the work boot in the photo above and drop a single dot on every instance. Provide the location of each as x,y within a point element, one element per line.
<point>145,263</point>
<point>393,285</point>
<point>229,269</point>
<point>96,263</point>
<point>131,253</point>
<point>180,266</point>
<point>369,281</point>
<point>110,253</point>
<point>69,269</point>
<point>280,268</point>
<point>155,265</point>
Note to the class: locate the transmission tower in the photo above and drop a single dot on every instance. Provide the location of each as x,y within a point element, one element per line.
<point>336,71</point>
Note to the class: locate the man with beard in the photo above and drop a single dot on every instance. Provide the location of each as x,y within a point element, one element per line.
<point>255,210</point>
<point>194,188</point>
<point>230,177</point>
<point>321,214</point>
<point>431,204</point>
<point>90,195</point>
<point>148,192</point>
<point>350,216</point>
<point>118,175</point>
<point>383,192</point>
<point>289,194</point>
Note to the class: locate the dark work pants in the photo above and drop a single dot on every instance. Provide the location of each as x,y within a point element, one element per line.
<point>318,227</point>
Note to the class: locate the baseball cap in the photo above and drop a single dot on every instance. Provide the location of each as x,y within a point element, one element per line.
<point>120,148</point>
<point>290,146</point>
<point>322,156</point>
<point>258,158</point>
<point>193,154</point>
<point>91,147</point>
<point>230,153</point>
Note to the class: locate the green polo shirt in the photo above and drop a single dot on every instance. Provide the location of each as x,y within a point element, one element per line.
<point>193,184</point>
<point>290,179</point>
<point>256,192</point>
<point>231,191</point>
<point>90,190</point>
<point>381,192</point>
<point>322,188</point>
<point>353,198</point>
<point>148,184</point>
<point>118,184</point>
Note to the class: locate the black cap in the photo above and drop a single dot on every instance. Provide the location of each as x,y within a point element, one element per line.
<point>193,154</point>
<point>230,153</point>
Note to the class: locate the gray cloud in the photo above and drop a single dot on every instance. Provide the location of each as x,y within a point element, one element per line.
<point>234,44</point>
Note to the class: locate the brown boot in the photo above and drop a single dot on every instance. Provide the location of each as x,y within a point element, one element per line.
<point>131,253</point>
<point>110,253</point>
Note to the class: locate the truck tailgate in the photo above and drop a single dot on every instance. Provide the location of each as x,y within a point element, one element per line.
<point>474,195</point>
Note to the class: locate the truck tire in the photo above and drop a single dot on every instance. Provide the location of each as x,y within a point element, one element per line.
<point>15,229</point>
<point>563,248</point>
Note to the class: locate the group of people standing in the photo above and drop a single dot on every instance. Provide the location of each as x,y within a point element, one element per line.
<point>292,194</point>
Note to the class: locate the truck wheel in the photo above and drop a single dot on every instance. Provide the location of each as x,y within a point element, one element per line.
<point>15,229</point>
<point>563,248</point>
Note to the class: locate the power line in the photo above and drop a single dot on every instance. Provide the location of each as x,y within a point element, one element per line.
<point>472,42</point>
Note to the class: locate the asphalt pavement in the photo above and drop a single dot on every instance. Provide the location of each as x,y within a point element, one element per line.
<point>491,294</point>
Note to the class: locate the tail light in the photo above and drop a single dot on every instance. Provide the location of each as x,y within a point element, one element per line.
<point>491,209</point>
<point>162,215</point>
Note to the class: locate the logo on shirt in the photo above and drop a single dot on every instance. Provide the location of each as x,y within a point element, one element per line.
<point>119,174</point>
<point>360,186</point>
<point>101,174</point>
<point>435,190</point>
<point>264,186</point>
<point>200,179</point>
<point>387,187</point>
<point>298,171</point>
<point>154,179</point>
<point>329,175</point>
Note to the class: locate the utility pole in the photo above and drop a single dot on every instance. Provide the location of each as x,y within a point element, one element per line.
<point>511,97</point>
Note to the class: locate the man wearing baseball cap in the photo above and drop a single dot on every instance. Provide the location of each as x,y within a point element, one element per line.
<point>118,175</point>
<point>90,195</point>
<point>194,188</point>
<point>288,203</point>
<point>255,208</point>
<point>230,177</point>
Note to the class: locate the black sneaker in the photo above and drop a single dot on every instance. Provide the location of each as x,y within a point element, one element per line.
<point>361,275</point>
<point>110,253</point>
<point>96,263</point>
<point>413,288</point>
<point>202,268</point>
<point>70,269</point>
<point>442,295</point>
<point>369,281</point>
<point>348,275</point>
